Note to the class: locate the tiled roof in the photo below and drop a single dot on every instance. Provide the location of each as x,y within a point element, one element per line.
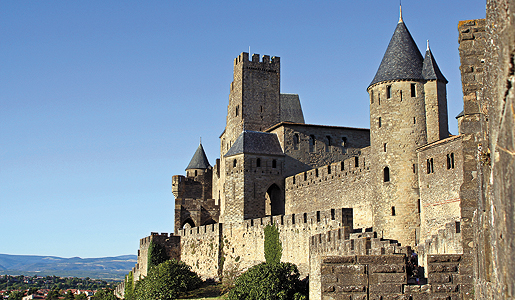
<point>199,160</point>
<point>430,70</point>
<point>402,59</point>
<point>256,142</point>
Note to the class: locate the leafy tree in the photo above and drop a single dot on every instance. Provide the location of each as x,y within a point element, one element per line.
<point>276,281</point>
<point>16,295</point>
<point>53,295</point>
<point>129,287</point>
<point>272,245</point>
<point>69,295</point>
<point>167,281</point>
<point>81,297</point>
<point>104,294</point>
<point>156,255</point>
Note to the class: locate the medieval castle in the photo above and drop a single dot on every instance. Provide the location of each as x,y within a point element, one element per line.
<point>351,204</point>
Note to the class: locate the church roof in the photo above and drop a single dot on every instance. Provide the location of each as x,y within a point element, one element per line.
<point>256,142</point>
<point>430,70</point>
<point>199,160</point>
<point>402,59</point>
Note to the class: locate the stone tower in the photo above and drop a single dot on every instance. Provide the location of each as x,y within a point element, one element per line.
<point>407,103</point>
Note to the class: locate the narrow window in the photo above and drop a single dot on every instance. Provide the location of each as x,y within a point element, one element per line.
<point>293,179</point>
<point>274,163</point>
<point>258,162</point>
<point>305,176</point>
<point>356,162</point>
<point>448,161</point>
<point>414,168</point>
<point>305,217</point>
<point>318,216</point>
<point>371,97</point>
<point>234,163</point>
<point>414,120</point>
<point>386,174</point>
<point>293,218</point>
<point>195,172</point>
<point>432,168</point>
<point>379,122</point>
<point>328,148</point>
<point>413,90</point>
<point>237,110</point>
<point>311,143</point>
<point>342,166</point>
<point>332,214</point>
<point>378,98</point>
<point>452,160</point>
<point>329,169</point>
<point>428,166</point>
<point>400,92</point>
<point>388,91</point>
<point>418,205</point>
<point>344,141</point>
<point>316,172</point>
<point>384,147</point>
<point>261,108</point>
<point>458,227</point>
<point>296,142</point>
<point>393,210</point>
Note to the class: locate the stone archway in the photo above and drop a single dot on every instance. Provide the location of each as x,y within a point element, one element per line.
<point>188,223</point>
<point>274,203</point>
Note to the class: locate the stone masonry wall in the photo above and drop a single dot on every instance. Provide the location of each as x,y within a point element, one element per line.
<point>340,184</point>
<point>440,168</point>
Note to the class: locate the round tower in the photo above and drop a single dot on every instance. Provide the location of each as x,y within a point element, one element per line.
<point>397,129</point>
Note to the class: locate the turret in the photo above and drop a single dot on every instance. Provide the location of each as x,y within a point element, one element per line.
<point>406,92</point>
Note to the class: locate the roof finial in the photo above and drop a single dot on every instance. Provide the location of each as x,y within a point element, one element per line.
<point>427,45</point>
<point>400,12</point>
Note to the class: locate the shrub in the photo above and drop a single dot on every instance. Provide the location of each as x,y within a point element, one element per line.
<point>272,245</point>
<point>278,281</point>
<point>167,281</point>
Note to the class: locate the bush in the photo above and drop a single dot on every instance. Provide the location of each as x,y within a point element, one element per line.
<point>265,281</point>
<point>272,245</point>
<point>167,281</point>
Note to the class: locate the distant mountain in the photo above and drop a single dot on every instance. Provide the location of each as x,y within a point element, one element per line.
<point>99,268</point>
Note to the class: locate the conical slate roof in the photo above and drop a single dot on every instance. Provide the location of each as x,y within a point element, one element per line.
<point>199,160</point>
<point>430,70</point>
<point>256,142</point>
<point>402,59</point>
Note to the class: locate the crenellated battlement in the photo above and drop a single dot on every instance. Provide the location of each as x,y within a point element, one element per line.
<point>266,63</point>
<point>145,242</point>
<point>204,230</point>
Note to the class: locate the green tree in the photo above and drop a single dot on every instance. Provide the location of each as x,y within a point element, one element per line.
<point>167,281</point>
<point>104,294</point>
<point>276,281</point>
<point>69,295</point>
<point>129,287</point>
<point>156,255</point>
<point>272,245</point>
<point>53,295</point>
<point>81,297</point>
<point>16,295</point>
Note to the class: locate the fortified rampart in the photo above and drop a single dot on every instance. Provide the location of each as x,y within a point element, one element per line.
<point>171,243</point>
<point>341,184</point>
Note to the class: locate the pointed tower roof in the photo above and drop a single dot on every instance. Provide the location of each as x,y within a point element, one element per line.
<point>256,142</point>
<point>430,70</point>
<point>402,59</point>
<point>199,160</point>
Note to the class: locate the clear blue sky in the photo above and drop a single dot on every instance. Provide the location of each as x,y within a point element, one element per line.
<point>101,102</point>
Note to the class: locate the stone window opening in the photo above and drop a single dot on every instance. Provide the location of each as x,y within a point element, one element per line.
<point>414,168</point>
<point>328,148</point>
<point>237,110</point>
<point>305,176</point>
<point>318,216</point>
<point>379,122</point>
<point>261,108</point>
<point>414,120</point>
<point>344,141</point>
<point>305,217</point>
<point>378,99</point>
<point>430,166</point>
<point>332,214</point>
<point>258,162</point>
<point>296,141</point>
<point>293,179</point>
<point>316,172</point>
<point>342,166</point>
<point>388,91</point>
<point>458,227</point>
<point>234,163</point>
<point>372,98</point>
<point>393,210</point>
<point>384,147</point>
<point>274,163</point>
<point>293,219</point>
<point>195,172</point>
<point>356,162</point>
<point>418,206</point>
<point>311,143</point>
<point>400,93</point>
<point>329,169</point>
<point>386,174</point>
<point>450,161</point>
<point>413,90</point>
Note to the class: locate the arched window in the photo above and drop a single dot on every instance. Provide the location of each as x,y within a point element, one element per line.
<point>311,143</point>
<point>296,141</point>
<point>388,91</point>
<point>386,174</point>
<point>234,163</point>
<point>413,90</point>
